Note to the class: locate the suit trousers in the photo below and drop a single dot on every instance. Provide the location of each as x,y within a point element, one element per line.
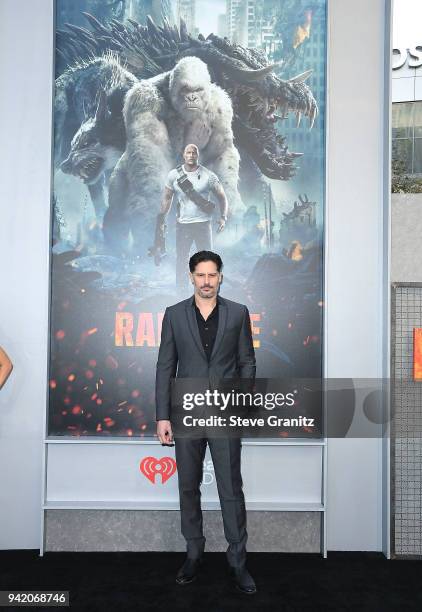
<point>225,453</point>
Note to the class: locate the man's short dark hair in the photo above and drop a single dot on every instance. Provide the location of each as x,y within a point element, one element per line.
<point>205,256</point>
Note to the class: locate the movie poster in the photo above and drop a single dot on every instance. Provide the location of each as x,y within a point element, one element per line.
<point>135,82</point>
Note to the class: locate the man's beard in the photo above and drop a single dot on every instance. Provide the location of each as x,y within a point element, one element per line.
<point>207,294</point>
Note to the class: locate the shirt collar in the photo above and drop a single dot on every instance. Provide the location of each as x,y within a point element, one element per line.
<point>193,303</point>
<point>191,171</point>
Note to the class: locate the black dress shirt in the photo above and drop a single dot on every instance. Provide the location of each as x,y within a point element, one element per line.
<point>207,329</point>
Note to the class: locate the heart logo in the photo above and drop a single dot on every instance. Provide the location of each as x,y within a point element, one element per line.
<point>151,466</point>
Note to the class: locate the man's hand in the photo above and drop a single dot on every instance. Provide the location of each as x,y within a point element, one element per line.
<point>164,432</point>
<point>158,249</point>
<point>223,205</point>
<point>221,225</point>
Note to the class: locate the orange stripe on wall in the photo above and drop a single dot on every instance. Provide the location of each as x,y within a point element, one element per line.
<point>417,353</point>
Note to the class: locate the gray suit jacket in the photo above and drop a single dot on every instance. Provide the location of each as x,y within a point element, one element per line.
<point>182,355</point>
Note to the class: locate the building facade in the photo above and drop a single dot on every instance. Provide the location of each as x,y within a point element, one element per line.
<point>407,110</point>
<point>186,10</point>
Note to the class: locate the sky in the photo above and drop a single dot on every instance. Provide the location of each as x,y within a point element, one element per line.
<point>407,19</point>
<point>207,12</point>
<point>407,23</point>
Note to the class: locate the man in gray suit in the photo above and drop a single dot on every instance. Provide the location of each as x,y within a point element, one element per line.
<point>206,336</point>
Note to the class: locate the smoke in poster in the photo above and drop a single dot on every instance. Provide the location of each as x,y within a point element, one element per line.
<point>137,81</point>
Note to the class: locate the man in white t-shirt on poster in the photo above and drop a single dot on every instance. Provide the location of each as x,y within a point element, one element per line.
<point>192,184</point>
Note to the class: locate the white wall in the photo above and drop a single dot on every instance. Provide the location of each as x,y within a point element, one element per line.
<point>354,266</point>
<point>355,240</point>
<point>25,128</point>
<point>406,232</point>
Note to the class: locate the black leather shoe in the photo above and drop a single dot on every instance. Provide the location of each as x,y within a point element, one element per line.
<point>188,572</point>
<point>243,580</point>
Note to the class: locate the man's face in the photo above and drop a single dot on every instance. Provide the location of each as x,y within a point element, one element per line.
<point>190,156</point>
<point>206,279</point>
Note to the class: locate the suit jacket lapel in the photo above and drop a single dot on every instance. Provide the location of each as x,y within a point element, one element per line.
<point>222,320</point>
<point>193,326</point>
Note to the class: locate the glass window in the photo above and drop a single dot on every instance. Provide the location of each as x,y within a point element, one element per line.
<point>407,136</point>
<point>402,149</point>
<point>417,118</point>
<point>402,120</point>
<point>417,161</point>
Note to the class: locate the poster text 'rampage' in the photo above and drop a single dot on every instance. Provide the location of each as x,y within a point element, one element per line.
<point>144,329</point>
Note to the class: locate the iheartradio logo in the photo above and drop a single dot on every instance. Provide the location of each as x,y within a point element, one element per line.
<point>151,466</point>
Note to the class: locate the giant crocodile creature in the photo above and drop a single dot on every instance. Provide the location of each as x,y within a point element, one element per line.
<point>259,97</point>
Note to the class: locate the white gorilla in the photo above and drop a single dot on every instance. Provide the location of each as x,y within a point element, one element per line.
<point>162,115</point>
